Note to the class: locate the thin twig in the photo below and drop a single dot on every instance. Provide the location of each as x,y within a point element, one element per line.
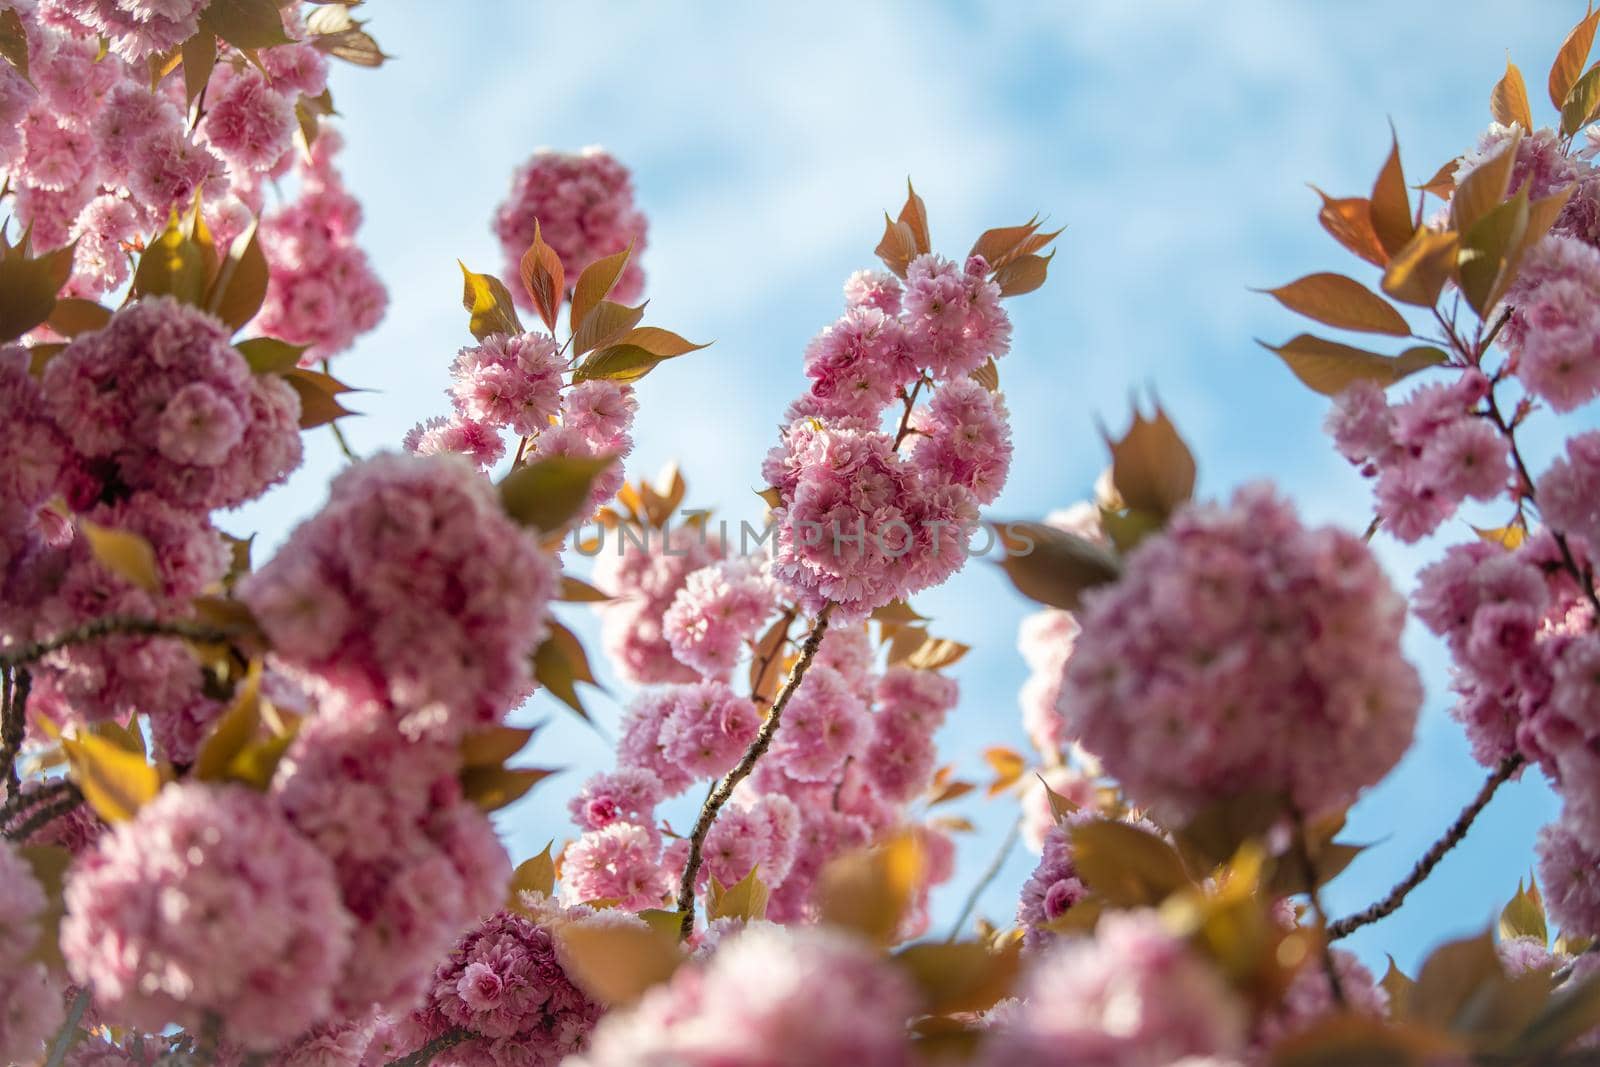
<point>747,763</point>
<point>344,446</point>
<point>13,726</point>
<point>424,1055</point>
<point>905,420</point>
<point>113,626</point>
<point>990,873</point>
<point>43,816</point>
<point>69,1029</point>
<point>1430,859</point>
<point>1564,972</point>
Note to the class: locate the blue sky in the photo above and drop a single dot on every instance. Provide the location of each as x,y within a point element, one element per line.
<point>1174,140</point>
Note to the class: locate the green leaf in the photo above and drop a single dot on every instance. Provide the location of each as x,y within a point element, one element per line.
<point>549,493</point>
<point>1569,61</point>
<point>1418,272</point>
<point>869,890</point>
<point>746,899</point>
<point>1578,110</point>
<point>233,730</point>
<point>578,591</point>
<point>268,355</point>
<point>115,782</point>
<point>1565,1017</point>
<point>536,875</point>
<point>1484,187</point>
<point>245,24</point>
<point>489,302</point>
<point>1341,302</point>
<point>1523,916</point>
<point>240,287</point>
<point>1485,263</point>
<point>494,746</point>
<point>1330,368</point>
<point>1052,566</point>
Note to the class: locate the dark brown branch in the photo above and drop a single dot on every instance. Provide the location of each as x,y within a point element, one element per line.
<point>112,626</point>
<point>1430,859</point>
<point>21,802</point>
<point>747,763</point>
<point>45,814</point>
<point>1308,868</point>
<point>424,1055</point>
<point>14,726</point>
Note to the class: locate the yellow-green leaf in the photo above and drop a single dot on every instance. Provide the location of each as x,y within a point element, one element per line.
<point>1582,102</point>
<point>536,875</point>
<point>1419,271</point>
<point>49,865</point>
<point>268,355</point>
<point>606,323</point>
<point>115,782</point>
<point>1391,204</point>
<point>124,553</point>
<point>578,591</point>
<point>1125,865</point>
<point>492,788</point>
<point>489,302</point>
<point>1489,250</point>
<point>1341,302</point>
<point>73,315</point>
<point>935,653</point>
<point>616,963</point>
<point>172,265</point>
<point>544,278</point>
<point>549,493</point>
<point>659,342</point>
<point>1509,538</point>
<point>1399,986</point>
<point>333,30</point>
<point>1508,103</point>
<point>746,899</point>
<point>1523,916</point>
<point>233,730</point>
<point>1330,368</point>
<point>1052,566</point>
<point>595,284</point>
<point>1572,57</point>
<point>241,284</point>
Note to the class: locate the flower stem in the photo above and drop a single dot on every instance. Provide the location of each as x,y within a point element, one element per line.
<point>1430,859</point>
<point>741,770</point>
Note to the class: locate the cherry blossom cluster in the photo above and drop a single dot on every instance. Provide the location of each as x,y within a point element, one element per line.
<point>323,293</point>
<point>147,426</point>
<point>1242,651</point>
<point>861,520</point>
<point>583,205</point>
<point>94,154</point>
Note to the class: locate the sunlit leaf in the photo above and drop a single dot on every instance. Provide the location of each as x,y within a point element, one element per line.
<point>766,662</point>
<point>544,278</point>
<point>746,899</point>
<point>124,553</point>
<point>318,394</point>
<point>898,247</point>
<point>494,746</point>
<point>1023,274</point>
<point>489,302</point>
<point>199,54</point>
<point>1508,103</point>
<point>1127,866</point>
<point>1484,187</point>
<point>115,782</point>
<point>14,41</point>
<point>245,24</point>
<point>560,663</point>
<point>868,891</point>
<point>268,355</point>
<point>1151,466</point>
<point>233,730</point>
<point>28,288</point>
<point>240,287</point>
<point>605,324</point>
<point>492,788</point>
<point>595,284</point>
<point>1571,59</point>
<point>1567,1016</point>
<point>1008,765</point>
<point>1349,221</point>
<point>1419,272</point>
<point>936,653</point>
<point>578,591</point>
<point>1523,916</point>
<point>1489,251</point>
<point>536,875</point>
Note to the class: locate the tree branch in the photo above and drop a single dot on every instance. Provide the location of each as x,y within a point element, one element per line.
<point>989,875</point>
<point>45,814</point>
<point>13,726</point>
<point>741,770</point>
<point>112,626</point>
<point>424,1055</point>
<point>1430,859</point>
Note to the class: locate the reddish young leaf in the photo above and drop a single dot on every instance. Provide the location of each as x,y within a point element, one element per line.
<point>1349,221</point>
<point>544,278</point>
